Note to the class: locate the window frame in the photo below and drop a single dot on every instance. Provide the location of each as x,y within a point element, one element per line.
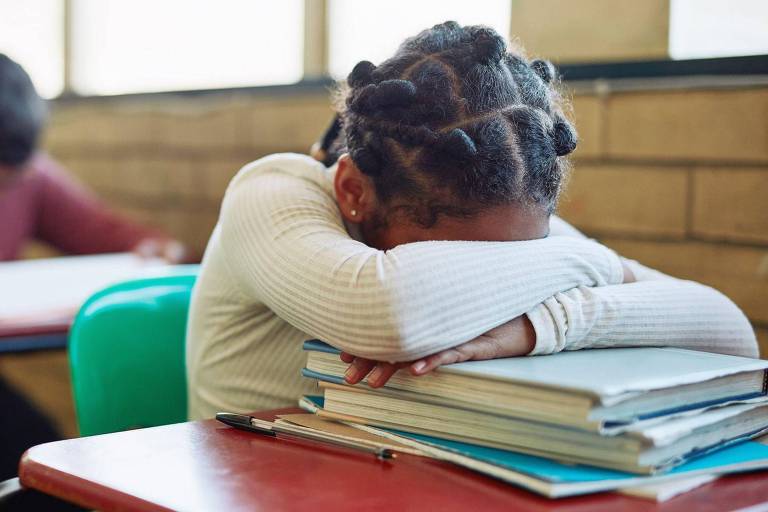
<point>316,71</point>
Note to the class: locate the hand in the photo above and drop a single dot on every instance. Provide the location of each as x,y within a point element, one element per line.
<point>514,338</point>
<point>172,251</point>
<point>629,276</point>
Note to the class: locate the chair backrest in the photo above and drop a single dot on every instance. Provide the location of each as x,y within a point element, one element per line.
<point>126,351</point>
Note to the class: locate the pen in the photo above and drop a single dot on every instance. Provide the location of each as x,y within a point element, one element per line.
<point>251,424</point>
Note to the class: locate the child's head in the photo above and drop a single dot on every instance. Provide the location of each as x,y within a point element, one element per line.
<point>22,115</point>
<point>455,124</point>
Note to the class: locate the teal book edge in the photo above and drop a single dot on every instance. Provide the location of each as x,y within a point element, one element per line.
<point>310,374</point>
<point>553,471</point>
<point>320,346</point>
<point>560,479</point>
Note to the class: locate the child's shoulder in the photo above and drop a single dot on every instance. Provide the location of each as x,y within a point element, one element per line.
<point>295,165</point>
<point>304,174</point>
<point>289,163</point>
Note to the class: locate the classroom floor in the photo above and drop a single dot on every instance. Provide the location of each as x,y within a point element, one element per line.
<point>43,377</point>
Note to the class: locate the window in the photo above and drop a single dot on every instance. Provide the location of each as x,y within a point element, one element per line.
<point>31,33</point>
<point>717,28</point>
<point>130,46</point>
<point>123,46</point>
<point>373,30</point>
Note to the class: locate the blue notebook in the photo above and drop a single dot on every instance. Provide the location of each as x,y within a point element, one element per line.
<point>554,479</point>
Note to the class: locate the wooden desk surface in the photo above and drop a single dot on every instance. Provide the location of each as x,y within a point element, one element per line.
<point>208,466</point>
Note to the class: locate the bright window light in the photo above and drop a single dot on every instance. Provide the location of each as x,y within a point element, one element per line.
<point>367,30</point>
<point>717,28</point>
<point>31,33</point>
<point>122,46</point>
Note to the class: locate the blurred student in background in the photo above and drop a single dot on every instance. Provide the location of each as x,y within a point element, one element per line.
<point>39,200</point>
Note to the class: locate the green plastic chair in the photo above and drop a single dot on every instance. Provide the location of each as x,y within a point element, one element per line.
<point>126,354</point>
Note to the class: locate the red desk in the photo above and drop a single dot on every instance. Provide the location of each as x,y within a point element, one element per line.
<point>208,466</point>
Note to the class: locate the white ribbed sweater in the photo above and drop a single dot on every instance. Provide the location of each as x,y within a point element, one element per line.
<point>281,267</point>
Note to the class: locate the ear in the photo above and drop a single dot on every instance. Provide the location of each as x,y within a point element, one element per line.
<point>355,191</point>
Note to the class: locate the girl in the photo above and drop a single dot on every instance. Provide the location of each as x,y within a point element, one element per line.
<point>431,235</point>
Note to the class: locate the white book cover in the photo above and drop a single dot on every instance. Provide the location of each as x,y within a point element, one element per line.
<point>611,374</point>
<point>664,491</point>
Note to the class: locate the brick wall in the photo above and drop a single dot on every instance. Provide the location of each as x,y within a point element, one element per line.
<point>678,178</point>
<point>166,161</point>
<point>675,178</point>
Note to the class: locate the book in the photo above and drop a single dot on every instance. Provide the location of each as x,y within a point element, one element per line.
<point>601,390</point>
<point>649,445</point>
<point>661,491</point>
<point>340,429</point>
<point>664,491</point>
<point>555,479</point>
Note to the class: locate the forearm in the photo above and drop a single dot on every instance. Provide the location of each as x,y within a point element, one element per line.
<point>418,298</point>
<point>286,247</point>
<point>663,312</point>
<point>443,297</point>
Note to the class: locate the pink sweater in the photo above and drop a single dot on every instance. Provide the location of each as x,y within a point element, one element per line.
<point>45,203</point>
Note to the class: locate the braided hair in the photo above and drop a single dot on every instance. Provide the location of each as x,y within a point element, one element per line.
<point>455,123</point>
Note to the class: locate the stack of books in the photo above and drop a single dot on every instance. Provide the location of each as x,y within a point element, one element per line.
<point>639,411</point>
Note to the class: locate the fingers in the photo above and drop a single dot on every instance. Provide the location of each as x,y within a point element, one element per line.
<point>515,338</point>
<point>382,373</point>
<point>629,276</point>
<point>172,251</point>
<point>378,372</point>
<point>429,363</point>
<point>147,248</point>
<point>358,370</point>
<point>481,347</point>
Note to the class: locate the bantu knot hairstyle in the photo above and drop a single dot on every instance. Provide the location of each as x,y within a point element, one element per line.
<point>361,74</point>
<point>22,114</point>
<point>544,69</point>
<point>455,122</point>
<point>389,93</point>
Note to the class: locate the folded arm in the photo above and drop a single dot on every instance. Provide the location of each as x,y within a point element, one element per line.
<point>286,246</point>
<point>657,310</point>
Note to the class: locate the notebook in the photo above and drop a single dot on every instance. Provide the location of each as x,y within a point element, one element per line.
<point>646,447</point>
<point>664,438</point>
<point>601,390</point>
<point>555,479</point>
<point>659,492</point>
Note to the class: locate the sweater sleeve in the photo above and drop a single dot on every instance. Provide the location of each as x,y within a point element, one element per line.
<point>657,310</point>
<point>286,246</point>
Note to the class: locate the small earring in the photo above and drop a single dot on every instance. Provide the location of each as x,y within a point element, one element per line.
<point>353,213</point>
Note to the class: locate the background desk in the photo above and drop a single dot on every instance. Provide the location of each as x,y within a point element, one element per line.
<point>208,466</point>
<point>42,336</point>
<point>39,298</point>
